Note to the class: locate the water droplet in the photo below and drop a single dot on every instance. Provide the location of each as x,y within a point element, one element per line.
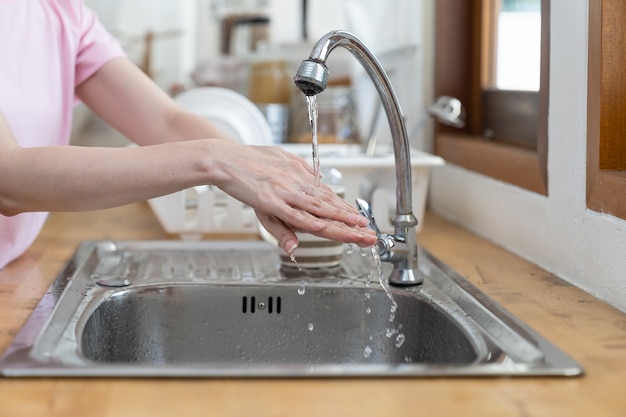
<point>390,332</point>
<point>292,257</point>
<point>310,327</point>
<point>302,288</point>
<point>367,295</point>
<point>368,310</point>
<point>349,248</point>
<point>367,352</point>
<point>400,340</point>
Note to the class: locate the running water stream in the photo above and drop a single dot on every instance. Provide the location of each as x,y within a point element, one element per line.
<point>311,102</point>
<point>377,265</point>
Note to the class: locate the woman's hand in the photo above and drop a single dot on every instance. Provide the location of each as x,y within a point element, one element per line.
<point>281,188</point>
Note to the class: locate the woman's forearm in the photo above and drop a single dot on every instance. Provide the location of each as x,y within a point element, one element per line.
<point>69,178</point>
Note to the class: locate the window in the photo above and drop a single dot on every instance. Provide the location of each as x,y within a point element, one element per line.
<point>506,130</point>
<point>606,114</point>
<point>514,44</point>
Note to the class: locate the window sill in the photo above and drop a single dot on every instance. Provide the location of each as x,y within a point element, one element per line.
<point>507,163</point>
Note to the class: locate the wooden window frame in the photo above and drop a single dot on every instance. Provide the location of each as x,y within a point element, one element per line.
<point>460,71</point>
<point>606,111</point>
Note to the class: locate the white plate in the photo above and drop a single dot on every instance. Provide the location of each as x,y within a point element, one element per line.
<point>231,112</point>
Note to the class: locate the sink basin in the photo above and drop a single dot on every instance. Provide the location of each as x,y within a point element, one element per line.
<point>256,325</point>
<point>227,308</point>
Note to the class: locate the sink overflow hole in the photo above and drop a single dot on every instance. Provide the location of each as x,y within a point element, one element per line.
<point>250,305</point>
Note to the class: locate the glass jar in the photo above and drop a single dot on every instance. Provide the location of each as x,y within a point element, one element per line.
<point>269,87</point>
<point>336,118</point>
<point>243,25</point>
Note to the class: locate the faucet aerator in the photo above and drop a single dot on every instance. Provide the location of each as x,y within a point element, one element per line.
<point>308,88</point>
<point>311,78</point>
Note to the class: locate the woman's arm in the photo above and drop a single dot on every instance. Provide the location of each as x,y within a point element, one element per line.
<point>71,178</point>
<point>278,185</point>
<point>122,95</point>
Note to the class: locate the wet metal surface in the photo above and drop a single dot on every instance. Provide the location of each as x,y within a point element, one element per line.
<point>175,308</point>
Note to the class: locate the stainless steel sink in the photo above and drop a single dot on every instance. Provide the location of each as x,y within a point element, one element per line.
<point>323,326</point>
<point>228,309</point>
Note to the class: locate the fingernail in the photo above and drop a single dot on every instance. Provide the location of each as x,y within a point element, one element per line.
<point>291,246</point>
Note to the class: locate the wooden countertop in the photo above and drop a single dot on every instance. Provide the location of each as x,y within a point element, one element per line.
<point>586,328</point>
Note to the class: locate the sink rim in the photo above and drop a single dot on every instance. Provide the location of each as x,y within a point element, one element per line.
<point>17,360</point>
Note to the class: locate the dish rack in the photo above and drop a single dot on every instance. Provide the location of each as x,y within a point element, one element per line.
<point>206,209</point>
<point>195,211</point>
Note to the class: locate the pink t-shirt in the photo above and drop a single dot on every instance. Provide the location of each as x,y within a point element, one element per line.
<point>47,48</point>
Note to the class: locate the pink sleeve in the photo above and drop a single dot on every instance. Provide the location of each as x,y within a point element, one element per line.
<point>96,46</point>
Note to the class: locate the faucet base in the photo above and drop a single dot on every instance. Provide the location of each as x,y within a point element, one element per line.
<point>405,277</point>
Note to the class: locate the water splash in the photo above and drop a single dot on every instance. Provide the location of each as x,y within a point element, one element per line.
<point>292,258</point>
<point>367,352</point>
<point>383,282</point>
<point>400,340</point>
<point>390,332</point>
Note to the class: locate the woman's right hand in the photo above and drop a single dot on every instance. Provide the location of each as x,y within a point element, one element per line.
<point>281,188</point>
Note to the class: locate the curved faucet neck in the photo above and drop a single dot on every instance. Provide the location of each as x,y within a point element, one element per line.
<point>404,256</point>
<point>389,100</point>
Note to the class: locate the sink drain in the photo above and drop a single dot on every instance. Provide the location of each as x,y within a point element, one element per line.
<point>250,305</point>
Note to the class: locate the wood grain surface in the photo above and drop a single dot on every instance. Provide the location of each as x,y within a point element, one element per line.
<point>591,331</point>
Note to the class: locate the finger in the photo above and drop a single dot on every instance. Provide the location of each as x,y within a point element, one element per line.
<point>339,231</point>
<point>285,236</point>
<point>324,203</point>
<point>304,221</point>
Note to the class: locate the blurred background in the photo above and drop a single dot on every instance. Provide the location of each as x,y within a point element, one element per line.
<point>254,47</point>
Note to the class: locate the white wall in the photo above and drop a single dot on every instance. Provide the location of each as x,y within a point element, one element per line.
<point>174,25</point>
<point>556,232</point>
<point>381,25</point>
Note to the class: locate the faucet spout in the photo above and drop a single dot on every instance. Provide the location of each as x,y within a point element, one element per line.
<point>312,78</point>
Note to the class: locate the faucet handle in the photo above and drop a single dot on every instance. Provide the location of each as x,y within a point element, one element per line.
<point>366,210</point>
<point>389,248</point>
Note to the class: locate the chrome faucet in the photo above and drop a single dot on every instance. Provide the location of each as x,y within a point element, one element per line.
<point>312,78</point>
